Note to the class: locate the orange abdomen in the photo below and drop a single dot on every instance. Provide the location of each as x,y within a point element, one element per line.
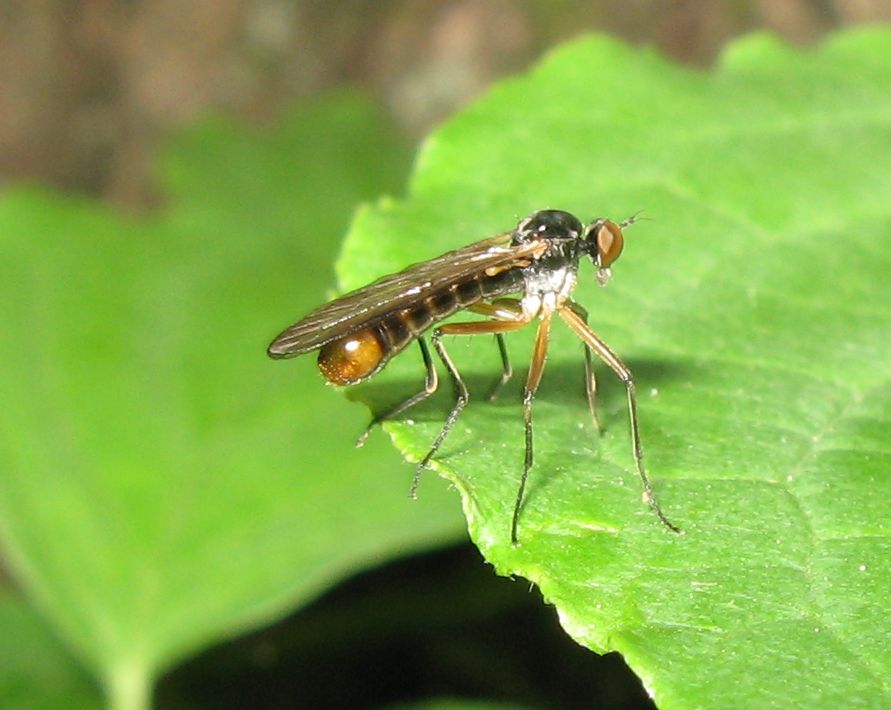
<point>352,358</point>
<point>357,356</point>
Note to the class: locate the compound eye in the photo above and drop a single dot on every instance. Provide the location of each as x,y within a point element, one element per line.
<point>610,241</point>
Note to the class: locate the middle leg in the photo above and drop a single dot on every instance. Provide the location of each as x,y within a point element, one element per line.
<point>504,309</point>
<point>486,327</point>
<point>590,377</point>
<point>533,379</point>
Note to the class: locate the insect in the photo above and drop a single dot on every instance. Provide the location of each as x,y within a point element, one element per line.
<point>357,334</point>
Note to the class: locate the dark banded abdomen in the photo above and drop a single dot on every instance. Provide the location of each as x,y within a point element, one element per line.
<point>363,353</point>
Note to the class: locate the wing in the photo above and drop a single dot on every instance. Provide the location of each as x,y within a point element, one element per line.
<point>363,306</point>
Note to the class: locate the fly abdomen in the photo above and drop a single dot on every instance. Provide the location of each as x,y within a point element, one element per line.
<point>469,292</point>
<point>399,328</point>
<point>501,283</point>
<point>447,301</point>
<point>359,355</point>
<point>354,357</point>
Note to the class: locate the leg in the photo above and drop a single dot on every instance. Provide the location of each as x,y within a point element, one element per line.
<point>476,328</point>
<point>610,358</point>
<point>533,379</point>
<point>590,377</point>
<point>506,370</point>
<point>506,309</point>
<point>430,385</point>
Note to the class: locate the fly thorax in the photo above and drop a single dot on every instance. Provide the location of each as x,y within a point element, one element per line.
<point>550,277</point>
<point>547,286</point>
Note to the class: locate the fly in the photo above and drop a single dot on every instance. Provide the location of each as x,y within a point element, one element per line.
<point>357,334</point>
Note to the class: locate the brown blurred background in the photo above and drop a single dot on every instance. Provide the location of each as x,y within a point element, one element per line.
<point>89,88</point>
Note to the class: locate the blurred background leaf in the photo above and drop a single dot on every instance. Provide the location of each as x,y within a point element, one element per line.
<point>164,484</point>
<point>36,670</point>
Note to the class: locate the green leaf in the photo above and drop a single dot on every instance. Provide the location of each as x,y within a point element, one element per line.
<point>754,309</point>
<point>36,671</point>
<point>163,484</point>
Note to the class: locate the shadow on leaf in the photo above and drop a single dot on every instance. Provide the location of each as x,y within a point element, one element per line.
<point>563,384</point>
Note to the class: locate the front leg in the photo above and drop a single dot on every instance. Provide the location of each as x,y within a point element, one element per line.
<point>590,338</point>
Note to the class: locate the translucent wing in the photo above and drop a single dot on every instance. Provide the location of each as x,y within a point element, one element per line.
<point>363,306</point>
